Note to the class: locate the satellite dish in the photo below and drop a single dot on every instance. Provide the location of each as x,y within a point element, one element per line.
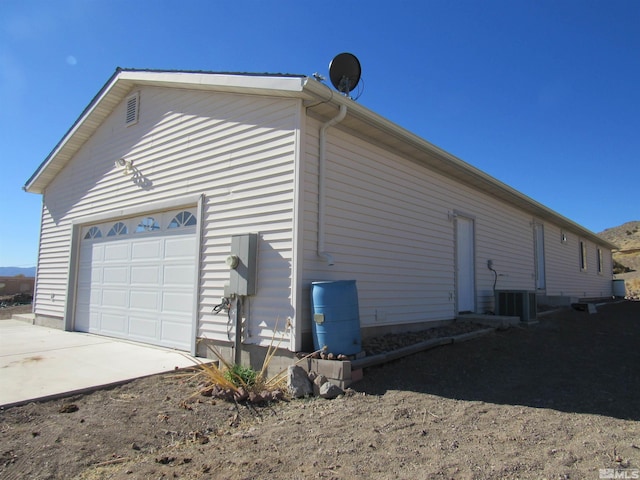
<point>344,72</point>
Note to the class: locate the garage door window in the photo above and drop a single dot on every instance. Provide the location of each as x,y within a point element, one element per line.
<point>148,224</point>
<point>93,232</point>
<point>118,229</point>
<point>183,219</point>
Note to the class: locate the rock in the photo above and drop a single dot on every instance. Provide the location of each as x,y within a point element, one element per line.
<point>330,391</point>
<point>207,392</point>
<point>241,395</point>
<point>68,408</point>
<point>298,382</point>
<point>317,383</point>
<point>256,397</point>
<point>277,395</point>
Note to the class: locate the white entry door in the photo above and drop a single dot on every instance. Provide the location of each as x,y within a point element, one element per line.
<point>137,277</point>
<point>465,265</point>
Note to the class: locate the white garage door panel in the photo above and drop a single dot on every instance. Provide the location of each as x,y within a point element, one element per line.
<point>144,300</point>
<point>146,250</point>
<point>174,330</point>
<point>145,275</point>
<point>115,298</point>
<point>176,302</point>
<point>179,247</point>
<point>117,252</point>
<point>88,255</point>
<point>115,275</point>
<point>113,324</point>
<point>139,285</point>
<point>177,275</point>
<point>96,276</point>
<point>143,327</point>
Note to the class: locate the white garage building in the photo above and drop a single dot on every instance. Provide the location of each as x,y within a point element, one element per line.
<point>144,194</point>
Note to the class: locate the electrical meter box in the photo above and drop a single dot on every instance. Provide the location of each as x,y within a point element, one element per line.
<point>243,263</point>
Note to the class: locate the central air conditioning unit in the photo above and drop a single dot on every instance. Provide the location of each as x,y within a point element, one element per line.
<point>516,303</point>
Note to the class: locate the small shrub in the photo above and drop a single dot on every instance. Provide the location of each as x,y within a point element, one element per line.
<point>241,376</point>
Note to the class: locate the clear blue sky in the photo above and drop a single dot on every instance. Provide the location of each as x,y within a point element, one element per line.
<point>543,95</point>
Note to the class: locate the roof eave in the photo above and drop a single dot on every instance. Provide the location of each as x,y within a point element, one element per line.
<point>317,94</point>
<point>446,163</point>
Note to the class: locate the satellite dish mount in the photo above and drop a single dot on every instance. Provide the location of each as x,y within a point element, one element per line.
<point>344,72</point>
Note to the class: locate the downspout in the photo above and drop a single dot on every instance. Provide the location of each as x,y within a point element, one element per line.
<point>321,182</point>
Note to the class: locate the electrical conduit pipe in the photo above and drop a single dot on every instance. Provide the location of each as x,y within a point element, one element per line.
<point>321,182</point>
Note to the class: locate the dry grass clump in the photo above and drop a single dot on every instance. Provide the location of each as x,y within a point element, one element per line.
<point>233,382</point>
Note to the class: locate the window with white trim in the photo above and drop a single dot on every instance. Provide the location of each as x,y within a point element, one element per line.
<point>583,255</point>
<point>599,260</point>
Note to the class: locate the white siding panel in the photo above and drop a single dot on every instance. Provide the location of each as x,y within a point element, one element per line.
<point>388,226</point>
<point>564,276</point>
<point>237,150</point>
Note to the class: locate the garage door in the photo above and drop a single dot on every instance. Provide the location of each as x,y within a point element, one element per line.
<point>136,279</point>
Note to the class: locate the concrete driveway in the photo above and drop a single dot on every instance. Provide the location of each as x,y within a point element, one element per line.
<point>39,362</point>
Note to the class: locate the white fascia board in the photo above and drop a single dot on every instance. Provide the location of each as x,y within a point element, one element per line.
<point>30,185</point>
<point>216,81</point>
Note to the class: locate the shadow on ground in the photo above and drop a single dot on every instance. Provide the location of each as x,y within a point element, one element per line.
<point>570,361</point>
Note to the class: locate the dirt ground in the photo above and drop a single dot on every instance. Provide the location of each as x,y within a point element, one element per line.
<point>556,400</point>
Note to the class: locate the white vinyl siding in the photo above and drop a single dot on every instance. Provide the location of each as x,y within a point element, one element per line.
<point>237,150</point>
<point>389,227</point>
<point>253,162</point>
<point>564,276</point>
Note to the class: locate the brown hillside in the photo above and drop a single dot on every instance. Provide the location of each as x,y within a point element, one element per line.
<point>627,238</point>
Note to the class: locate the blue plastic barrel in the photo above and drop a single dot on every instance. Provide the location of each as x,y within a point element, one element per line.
<point>336,318</point>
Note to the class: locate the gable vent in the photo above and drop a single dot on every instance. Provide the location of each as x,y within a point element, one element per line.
<point>132,109</point>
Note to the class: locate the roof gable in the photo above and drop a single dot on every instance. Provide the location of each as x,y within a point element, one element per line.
<point>123,81</point>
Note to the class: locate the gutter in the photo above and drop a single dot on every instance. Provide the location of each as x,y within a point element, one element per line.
<point>321,182</point>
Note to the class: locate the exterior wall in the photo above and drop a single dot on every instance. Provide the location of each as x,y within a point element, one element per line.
<point>390,225</point>
<point>390,222</point>
<point>238,151</point>
<point>564,275</point>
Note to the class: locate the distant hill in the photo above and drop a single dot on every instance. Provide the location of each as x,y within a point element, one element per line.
<point>627,238</point>
<point>13,271</point>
